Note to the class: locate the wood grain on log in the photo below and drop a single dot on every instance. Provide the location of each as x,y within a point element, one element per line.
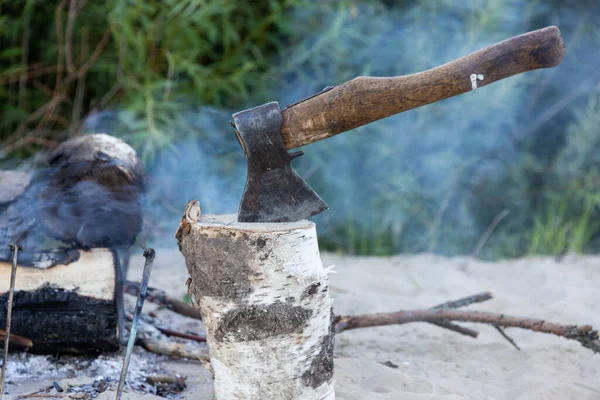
<point>264,298</point>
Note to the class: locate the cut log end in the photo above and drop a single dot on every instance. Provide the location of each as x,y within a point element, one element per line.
<point>264,299</point>
<point>230,222</point>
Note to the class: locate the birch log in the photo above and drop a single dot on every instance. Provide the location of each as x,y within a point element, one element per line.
<point>264,298</point>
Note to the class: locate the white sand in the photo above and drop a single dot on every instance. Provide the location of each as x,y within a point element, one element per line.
<point>434,363</point>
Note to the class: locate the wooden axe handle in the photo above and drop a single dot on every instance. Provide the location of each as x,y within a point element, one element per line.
<point>367,99</point>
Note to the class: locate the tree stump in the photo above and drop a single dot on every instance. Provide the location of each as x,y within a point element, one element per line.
<point>264,298</point>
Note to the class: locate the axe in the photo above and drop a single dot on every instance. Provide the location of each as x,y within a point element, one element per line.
<point>274,192</point>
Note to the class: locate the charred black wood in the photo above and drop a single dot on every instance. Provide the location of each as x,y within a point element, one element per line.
<point>61,312</point>
<point>57,320</point>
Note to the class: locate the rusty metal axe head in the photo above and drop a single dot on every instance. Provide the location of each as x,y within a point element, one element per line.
<point>274,192</point>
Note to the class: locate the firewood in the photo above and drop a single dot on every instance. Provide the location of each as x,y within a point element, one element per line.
<point>75,307</point>
<point>264,299</point>
<point>446,312</point>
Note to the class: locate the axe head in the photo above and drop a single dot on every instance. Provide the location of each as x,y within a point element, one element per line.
<point>274,192</point>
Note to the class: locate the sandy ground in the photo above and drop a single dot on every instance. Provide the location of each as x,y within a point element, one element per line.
<point>431,363</point>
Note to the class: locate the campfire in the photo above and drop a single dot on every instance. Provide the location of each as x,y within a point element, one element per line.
<point>256,279</point>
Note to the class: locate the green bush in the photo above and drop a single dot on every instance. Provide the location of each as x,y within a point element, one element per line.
<point>148,56</point>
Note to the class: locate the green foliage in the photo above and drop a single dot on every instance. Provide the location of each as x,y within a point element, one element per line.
<point>379,238</point>
<point>569,219</point>
<point>155,55</point>
<point>557,232</point>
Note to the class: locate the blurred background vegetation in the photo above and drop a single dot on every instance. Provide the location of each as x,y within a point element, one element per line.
<point>506,171</point>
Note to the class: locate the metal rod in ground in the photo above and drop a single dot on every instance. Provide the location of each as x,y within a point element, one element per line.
<point>13,275</point>
<point>149,255</point>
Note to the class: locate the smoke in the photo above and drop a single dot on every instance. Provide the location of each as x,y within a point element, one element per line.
<point>430,179</point>
<point>443,172</point>
<point>86,193</point>
<point>203,161</point>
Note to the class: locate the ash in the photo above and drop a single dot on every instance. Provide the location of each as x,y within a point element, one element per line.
<point>89,375</point>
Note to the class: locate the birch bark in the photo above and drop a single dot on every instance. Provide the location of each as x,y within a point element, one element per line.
<point>264,298</point>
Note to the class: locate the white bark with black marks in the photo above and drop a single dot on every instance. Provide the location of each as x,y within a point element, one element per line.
<point>264,298</point>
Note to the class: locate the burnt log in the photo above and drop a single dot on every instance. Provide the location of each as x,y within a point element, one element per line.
<point>67,308</point>
<point>85,194</point>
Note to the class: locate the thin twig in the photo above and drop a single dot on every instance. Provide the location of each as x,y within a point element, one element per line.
<point>58,84</point>
<point>189,336</point>
<point>173,349</point>
<point>505,336</point>
<point>490,229</point>
<point>93,58</point>
<point>59,39</point>
<point>59,94</point>
<point>149,254</point>
<point>24,57</point>
<point>456,328</point>
<point>465,301</point>
<point>478,298</point>
<point>30,73</point>
<point>69,36</point>
<point>42,88</point>
<point>108,96</point>
<point>585,334</point>
<point>170,332</point>
<point>79,92</point>
<point>16,340</point>
<point>160,298</point>
<point>17,136</point>
<point>11,291</point>
<point>54,395</point>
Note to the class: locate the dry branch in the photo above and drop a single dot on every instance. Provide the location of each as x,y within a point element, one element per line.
<point>446,312</point>
<point>174,349</point>
<point>170,332</point>
<point>477,298</point>
<point>16,341</point>
<point>488,232</point>
<point>189,336</point>
<point>159,297</point>
<point>46,115</point>
<point>53,395</point>
<point>465,301</point>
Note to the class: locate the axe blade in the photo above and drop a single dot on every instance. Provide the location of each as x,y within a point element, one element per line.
<point>274,192</point>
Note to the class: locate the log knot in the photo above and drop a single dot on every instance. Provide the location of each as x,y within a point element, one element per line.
<point>190,216</point>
